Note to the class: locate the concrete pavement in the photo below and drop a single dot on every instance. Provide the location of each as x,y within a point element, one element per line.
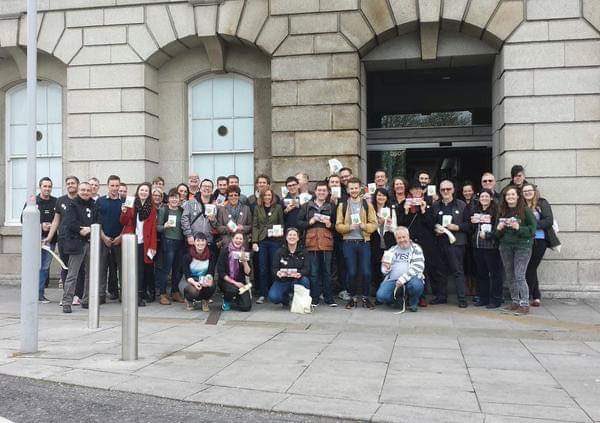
<point>442,364</point>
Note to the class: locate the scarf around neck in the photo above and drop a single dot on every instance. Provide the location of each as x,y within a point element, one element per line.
<point>203,256</point>
<point>142,210</point>
<point>233,262</point>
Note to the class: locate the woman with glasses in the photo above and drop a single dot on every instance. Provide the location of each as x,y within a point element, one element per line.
<point>267,233</point>
<point>544,237</point>
<point>516,228</point>
<point>234,217</point>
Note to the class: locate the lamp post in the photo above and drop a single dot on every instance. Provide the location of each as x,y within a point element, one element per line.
<point>31,238</point>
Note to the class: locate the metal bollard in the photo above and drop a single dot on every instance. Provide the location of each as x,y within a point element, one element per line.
<point>94,295</point>
<point>129,333</point>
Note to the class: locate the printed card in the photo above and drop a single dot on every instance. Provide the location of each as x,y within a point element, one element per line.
<point>129,200</point>
<point>304,198</point>
<point>446,220</point>
<point>210,209</point>
<point>232,226</point>
<point>277,230</point>
<point>284,191</point>
<point>336,192</point>
<point>385,213</point>
<point>431,191</point>
<point>388,256</point>
<point>172,220</point>
<point>371,188</point>
<point>486,227</point>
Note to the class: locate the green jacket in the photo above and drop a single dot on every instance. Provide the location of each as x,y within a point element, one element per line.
<point>261,222</point>
<point>522,238</point>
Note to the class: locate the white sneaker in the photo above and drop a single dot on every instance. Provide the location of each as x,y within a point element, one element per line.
<point>344,295</point>
<point>76,300</point>
<point>260,300</point>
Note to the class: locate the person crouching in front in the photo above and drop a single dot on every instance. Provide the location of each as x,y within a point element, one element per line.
<point>233,267</point>
<point>403,267</point>
<point>290,266</point>
<point>198,268</point>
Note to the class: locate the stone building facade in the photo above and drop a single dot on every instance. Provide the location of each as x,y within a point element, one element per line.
<point>121,75</point>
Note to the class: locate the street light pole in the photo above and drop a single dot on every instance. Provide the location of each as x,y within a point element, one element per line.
<point>31,238</point>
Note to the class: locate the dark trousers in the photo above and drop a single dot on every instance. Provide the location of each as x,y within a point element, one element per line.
<point>376,256</point>
<point>453,256</point>
<point>231,295</point>
<point>110,263</point>
<point>280,290</point>
<point>489,275</point>
<point>358,262</point>
<point>63,273</point>
<point>320,276</point>
<point>172,250</point>
<point>537,254</point>
<point>145,273</point>
<point>193,294</point>
<point>338,266</point>
<point>266,251</point>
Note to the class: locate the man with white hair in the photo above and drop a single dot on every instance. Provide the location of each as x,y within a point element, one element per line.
<point>402,266</point>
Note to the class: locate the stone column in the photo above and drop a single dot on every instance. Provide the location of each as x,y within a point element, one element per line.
<point>547,118</point>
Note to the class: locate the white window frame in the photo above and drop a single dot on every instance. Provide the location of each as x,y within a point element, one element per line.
<point>191,152</point>
<point>10,220</point>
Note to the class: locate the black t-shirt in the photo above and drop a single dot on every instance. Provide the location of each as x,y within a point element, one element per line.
<point>62,205</point>
<point>46,208</point>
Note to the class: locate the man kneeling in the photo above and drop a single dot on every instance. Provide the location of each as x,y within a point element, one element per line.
<point>402,267</point>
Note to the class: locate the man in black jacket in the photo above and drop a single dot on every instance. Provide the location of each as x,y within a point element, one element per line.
<point>78,221</point>
<point>451,214</point>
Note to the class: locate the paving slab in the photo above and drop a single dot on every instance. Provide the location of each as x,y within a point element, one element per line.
<point>235,397</point>
<point>414,414</point>
<point>332,407</point>
<point>273,377</point>
<point>559,347</point>
<point>534,411</point>
<point>342,379</point>
<point>30,370</point>
<point>90,378</point>
<point>163,388</point>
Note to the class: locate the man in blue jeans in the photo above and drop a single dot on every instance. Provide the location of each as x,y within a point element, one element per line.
<point>356,220</point>
<point>46,204</point>
<point>402,266</point>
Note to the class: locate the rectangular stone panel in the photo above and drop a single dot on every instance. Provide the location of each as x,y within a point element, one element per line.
<point>78,125</point>
<point>284,93</point>
<point>328,91</point>
<point>567,135</point>
<point>552,9</point>
<point>543,163</point>
<point>538,55</point>
<point>570,190</point>
<point>78,77</point>
<point>582,53</point>
<point>588,163</point>
<point>93,149</point>
<point>335,5</point>
<point>588,217</point>
<point>118,76</point>
<point>314,23</point>
<point>566,216</point>
<point>572,29</point>
<point>346,116</point>
<point>285,7</point>
<point>301,118</point>
<point>105,35</point>
<point>539,109</point>
<point>123,15</point>
<point>567,81</point>
<point>587,107</point>
<point>530,31</point>
<point>90,101</point>
<point>123,124</point>
<point>88,17</point>
<point>515,137</point>
<point>326,143</point>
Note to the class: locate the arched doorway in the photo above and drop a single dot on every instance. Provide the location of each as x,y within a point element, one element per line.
<point>434,115</point>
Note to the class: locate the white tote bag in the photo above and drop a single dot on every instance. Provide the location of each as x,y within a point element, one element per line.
<point>302,301</point>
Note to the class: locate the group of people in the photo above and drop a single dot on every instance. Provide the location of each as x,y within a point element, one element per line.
<point>391,240</point>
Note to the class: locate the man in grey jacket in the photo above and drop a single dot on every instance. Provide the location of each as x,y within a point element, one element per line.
<point>194,219</point>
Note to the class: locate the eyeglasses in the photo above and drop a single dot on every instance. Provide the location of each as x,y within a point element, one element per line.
<point>233,194</point>
<point>445,189</point>
<point>487,180</point>
<point>528,191</point>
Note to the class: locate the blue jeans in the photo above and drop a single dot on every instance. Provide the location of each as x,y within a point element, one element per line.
<point>358,261</point>
<point>45,270</point>
<point>414,287</point>
<point>266,251</point>
<point>280,290</point>
<point>320,275</point>
<point>172,250</point>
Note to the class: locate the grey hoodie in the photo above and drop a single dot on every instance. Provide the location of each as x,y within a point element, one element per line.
<point>193,220</point>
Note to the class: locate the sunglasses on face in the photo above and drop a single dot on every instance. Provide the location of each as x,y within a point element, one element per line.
<point>445,189</point>
<point>487,180</point>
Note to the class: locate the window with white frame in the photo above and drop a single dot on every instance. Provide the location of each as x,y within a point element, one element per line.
<point>221,128</point>
<point>49,148</point>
